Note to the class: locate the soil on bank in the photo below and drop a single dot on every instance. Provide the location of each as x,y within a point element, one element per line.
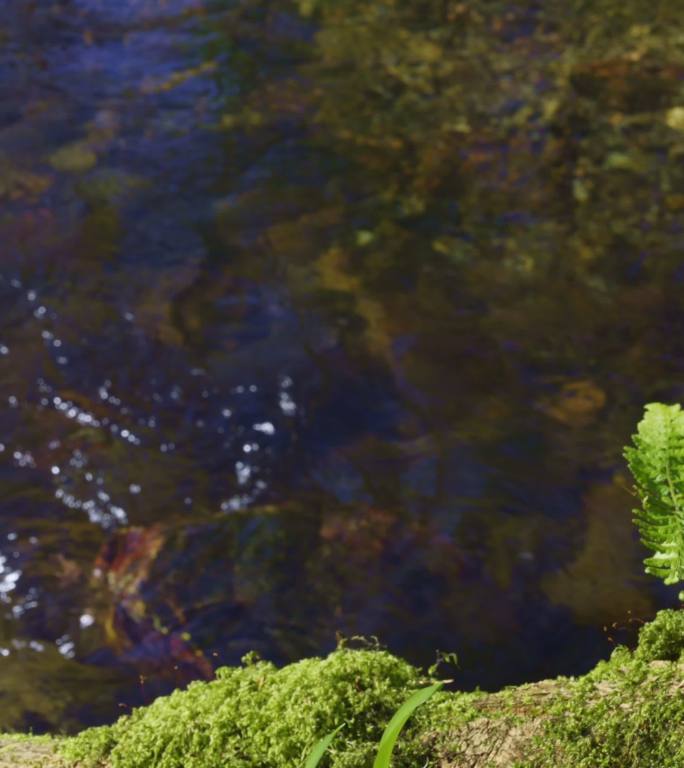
<point>30,752</point>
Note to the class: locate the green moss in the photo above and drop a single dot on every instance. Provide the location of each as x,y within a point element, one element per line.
<point>626,713</point>
<point>630,717</point>
<point>261,716</point>
<point>662,638</point>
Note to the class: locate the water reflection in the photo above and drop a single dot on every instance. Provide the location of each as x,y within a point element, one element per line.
<point>318,322</point>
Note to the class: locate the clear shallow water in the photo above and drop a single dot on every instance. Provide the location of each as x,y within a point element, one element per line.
<point>297,342</point>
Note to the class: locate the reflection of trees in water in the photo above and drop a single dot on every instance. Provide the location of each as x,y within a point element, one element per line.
<point>491,208</point>
<point>490,225</point>
<point>446,251</point>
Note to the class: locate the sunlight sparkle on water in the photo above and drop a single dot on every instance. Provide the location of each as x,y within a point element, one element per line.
<point>243,472</point>
<point>86,620</point>
<point>8,579</point>
<point>265,428</point>
<point>24,459</point>
<point>66,646</point>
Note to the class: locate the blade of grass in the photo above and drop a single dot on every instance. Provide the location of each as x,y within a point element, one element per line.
<point>391,734</point>
<point>319,748</point>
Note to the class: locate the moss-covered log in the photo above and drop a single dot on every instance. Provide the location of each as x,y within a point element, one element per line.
<point>626,713</point>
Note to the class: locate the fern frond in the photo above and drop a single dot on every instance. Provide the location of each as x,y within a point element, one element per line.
<point>656,461</point>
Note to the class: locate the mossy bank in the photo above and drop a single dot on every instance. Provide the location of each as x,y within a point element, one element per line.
<point>626,713</point>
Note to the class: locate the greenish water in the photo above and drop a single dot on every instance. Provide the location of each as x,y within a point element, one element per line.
<point>327,318</point>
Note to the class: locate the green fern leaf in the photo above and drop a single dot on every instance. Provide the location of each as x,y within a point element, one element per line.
<point>656,461</point>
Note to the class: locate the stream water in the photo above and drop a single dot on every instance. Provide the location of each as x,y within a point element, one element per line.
<point>321,321</point>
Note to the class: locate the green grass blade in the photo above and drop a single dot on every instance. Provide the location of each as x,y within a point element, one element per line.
<point>391,734</point>
<point>319,748</point>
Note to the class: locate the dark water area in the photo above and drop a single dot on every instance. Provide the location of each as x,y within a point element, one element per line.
<point>327,319</point>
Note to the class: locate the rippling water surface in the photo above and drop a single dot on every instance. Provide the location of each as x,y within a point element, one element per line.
<point>326,318</point>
